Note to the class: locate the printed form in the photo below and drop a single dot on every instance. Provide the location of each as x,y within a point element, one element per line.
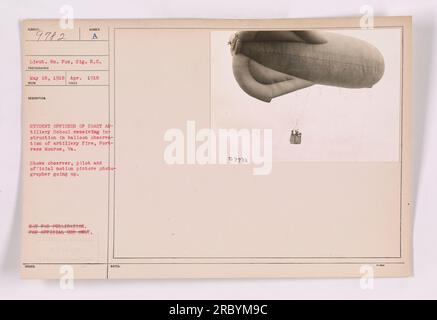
<point>216,148</point>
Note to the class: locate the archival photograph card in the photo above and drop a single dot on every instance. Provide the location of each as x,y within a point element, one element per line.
<point>216,148</point>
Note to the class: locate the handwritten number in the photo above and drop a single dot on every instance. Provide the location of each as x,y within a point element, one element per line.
<point>39,34</point>
<point>49,36</point>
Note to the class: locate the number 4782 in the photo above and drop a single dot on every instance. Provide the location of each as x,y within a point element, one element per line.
<point>49,36</point>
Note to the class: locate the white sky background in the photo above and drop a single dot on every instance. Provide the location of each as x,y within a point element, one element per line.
<point>337,124</point>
